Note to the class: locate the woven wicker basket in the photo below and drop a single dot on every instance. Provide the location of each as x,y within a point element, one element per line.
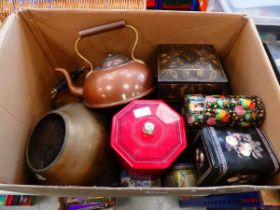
<point>9,6</point>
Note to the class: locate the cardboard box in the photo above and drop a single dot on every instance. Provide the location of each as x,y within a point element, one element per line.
<point>33,42</point>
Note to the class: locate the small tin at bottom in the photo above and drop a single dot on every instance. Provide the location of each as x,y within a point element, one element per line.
<point>127,181</point>
<point>181,175</point>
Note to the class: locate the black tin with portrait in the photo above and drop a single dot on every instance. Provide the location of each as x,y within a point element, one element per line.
<point>233,156</point>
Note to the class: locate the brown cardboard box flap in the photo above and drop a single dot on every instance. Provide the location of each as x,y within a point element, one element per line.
<point>156,27</point>
<point>131,191</point>
<point>23,97</point>
<point>255,77</point>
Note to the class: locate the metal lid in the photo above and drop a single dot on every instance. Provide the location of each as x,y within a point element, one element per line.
<point>148,134</point>
<point>113,60</point>
<point>189,63</point>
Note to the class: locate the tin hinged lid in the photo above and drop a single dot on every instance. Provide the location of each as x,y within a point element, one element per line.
<point>189,63</point>
<point>148,134</point>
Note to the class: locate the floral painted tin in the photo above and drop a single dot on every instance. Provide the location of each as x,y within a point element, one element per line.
<point>219,110</point>
<point>189,69</point>
<point>127,181</point>
<point>233,156</point>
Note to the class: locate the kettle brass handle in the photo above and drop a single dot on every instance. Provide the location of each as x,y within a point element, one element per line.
<point>105,28</point>
<point>102,28</point>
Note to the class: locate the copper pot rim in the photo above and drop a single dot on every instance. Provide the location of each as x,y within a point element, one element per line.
<point>118,103</point>
<point>51,165</point>
<point>130,61</point>
<point>113,68</point>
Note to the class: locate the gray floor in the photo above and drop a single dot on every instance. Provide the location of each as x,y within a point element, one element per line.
<point>150,203</point>
<point>134,203</point>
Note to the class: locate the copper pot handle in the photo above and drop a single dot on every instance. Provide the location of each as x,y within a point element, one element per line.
<point>102,28</point>
<point>105,28</point>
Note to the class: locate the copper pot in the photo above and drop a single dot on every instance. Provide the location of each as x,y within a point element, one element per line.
<point>117,81</point>
<point>69,146</point>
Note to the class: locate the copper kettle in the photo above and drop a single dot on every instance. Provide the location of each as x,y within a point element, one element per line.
<point>117,81</point>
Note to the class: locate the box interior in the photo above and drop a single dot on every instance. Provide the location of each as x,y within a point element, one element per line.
<point>34,42</point>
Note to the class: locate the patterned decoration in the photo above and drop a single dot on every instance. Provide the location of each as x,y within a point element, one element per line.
<point>189,69</point>
<point>244,145</point>
<point>181,175</point>
<point>232,155</point>
<point>218,110</point>
<point>177,92</point>
<point>189,63</point>
<point>242,178</point>
<point>127,181</point>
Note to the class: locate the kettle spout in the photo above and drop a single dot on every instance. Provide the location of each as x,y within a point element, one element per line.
<point>76,91</point>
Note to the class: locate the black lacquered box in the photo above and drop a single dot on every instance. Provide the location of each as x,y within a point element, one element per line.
<point>189,69</point>
<point>226,156</point>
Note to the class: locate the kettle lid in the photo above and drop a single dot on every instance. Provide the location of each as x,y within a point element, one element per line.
<point>113,60</point>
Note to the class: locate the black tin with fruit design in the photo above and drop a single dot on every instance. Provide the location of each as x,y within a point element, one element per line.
<point>228,156</point>
<point>189,69</point>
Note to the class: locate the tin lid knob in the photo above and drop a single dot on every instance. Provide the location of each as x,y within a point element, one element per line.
<point>149,128</point>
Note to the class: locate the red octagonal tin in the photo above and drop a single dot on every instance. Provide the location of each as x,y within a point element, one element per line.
<point>148,136</point>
